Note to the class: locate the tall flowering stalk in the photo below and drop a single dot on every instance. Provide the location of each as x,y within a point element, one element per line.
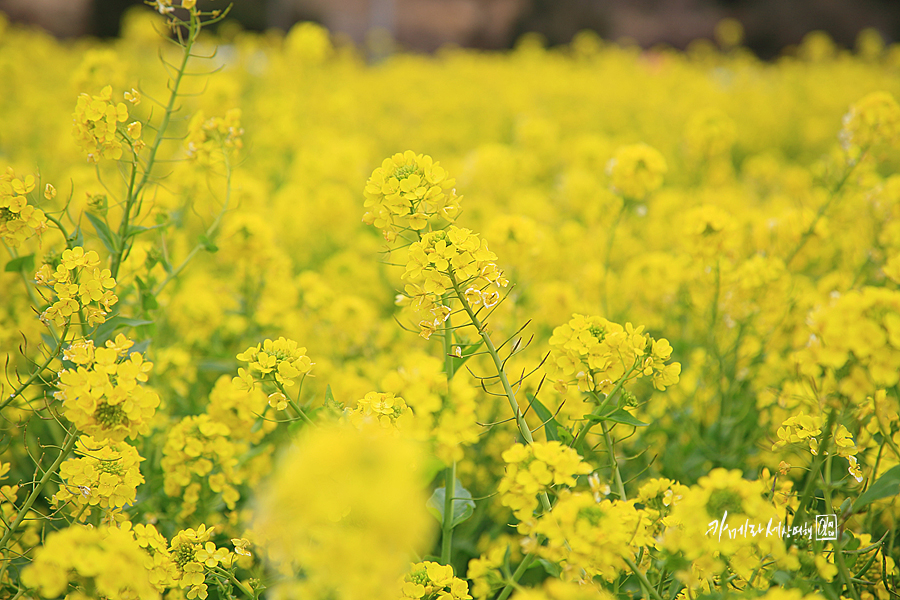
<point>101,398</point>
<point>449,269</point>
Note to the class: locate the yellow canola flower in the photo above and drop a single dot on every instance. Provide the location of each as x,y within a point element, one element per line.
<point>18,219</point>
<point>282,359</point>
<point>557,589</point>
<point>636,171</point>
<point>193,553</point>
<point>706,524</point>
<point>872,121</point>
<point>442,259</point>
<point>106,474</point>
<point>101,562</point>
<point>198,451</point>
<point>587,538</point>
<point>407,192</point>
<point>96,121</point>
<point>105,398</point>
<point>382,408</point>
<point>78,283</point>
<point>535,468</point>
<point>348,507</point>
<point>597,353</point>
<point>208,140</point>
<point>432,581</point>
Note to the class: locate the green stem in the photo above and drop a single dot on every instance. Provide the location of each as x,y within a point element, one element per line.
<point>293,403</point>
<point>450,472</point>
<point>447,340</point>
<point>613,461</point>
<point>597,411</point>
<point>806,495</point>
<point>606,262</point>
<point>511,584</point>
<point>29,502</point>
<point>447,523</point>
<point>842,568</point>
<point>804,237</point>
<point>134,191</point>
<point>210,231</point>
<point>247,591</point>
<point>644,581</point>
<point>37,372</point>
<point>501,373</point>
<point>62,229</point>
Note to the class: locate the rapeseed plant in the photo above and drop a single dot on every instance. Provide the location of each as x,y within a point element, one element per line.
<point>661,325</point>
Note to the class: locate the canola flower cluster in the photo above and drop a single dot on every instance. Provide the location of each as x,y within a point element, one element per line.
<point>210,140</point>
<point>102,395</point>
<point>657,339</point>
<point>406,192</point>
<point>433,581</point>
<point>96,126</point>
<point>19,220</point>
<point>535,468</point>
<point>599,354</point>
<point>107,475</point>
<point>79,287</point>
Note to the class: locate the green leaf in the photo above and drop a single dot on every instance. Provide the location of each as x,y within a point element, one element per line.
<point>140,347</point>
<point>467,353</point>
<point>329,395</point>
<point>109,239</point>
<point>48,340</point>
<point>107,330</point>
<point>886,485</point>
<point>552,569</point>
<point>208,244</point>
<point>148,300</point>
<point>296,425</point>
<point>21,263</point>
<point>463,505</point>
<point>133,230</point>
<point>781,577</point>
<point>76,238</point>
<point>546,417</point>
<point>619,415</point>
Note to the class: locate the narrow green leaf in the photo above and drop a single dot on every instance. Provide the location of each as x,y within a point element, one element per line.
<point>76,238</point>
<point>552,569</point>
<point>48,340</point>
<point>107,330</point>
<point>109,239</point>
<point>208,244</point>
<point>21,263</point>
<point>546,417</point>
<point>463,505</point>
<point>467,352</point>
<point>140,347</point>
<point>886,485</point>
<point>148,300</point>
<point>133,230</point>
<point>619,415</point>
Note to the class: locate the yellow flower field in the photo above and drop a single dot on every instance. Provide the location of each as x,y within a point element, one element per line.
<point>278,321</point>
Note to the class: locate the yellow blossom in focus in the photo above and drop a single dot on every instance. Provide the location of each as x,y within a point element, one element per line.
<point>96,125</point>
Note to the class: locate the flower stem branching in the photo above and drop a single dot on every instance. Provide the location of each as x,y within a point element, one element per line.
<point>524,430</point>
